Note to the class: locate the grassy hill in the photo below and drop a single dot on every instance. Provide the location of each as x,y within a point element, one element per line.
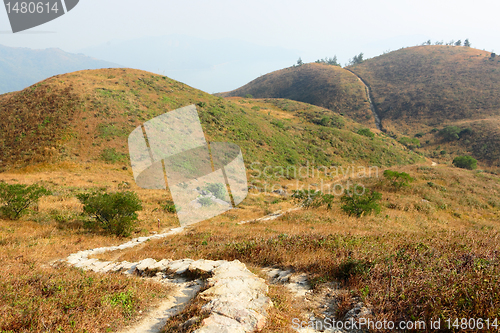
<point>327,86</point>
<point>86,116</point>
<point>429,84</point>
<point>419,90</point>
<point>444,226</point>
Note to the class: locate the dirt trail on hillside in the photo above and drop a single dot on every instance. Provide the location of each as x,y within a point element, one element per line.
<point>378,122</point>
<point>237,299</point>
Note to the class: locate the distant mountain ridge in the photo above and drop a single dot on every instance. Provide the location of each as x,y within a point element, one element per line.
<point>22,67</point>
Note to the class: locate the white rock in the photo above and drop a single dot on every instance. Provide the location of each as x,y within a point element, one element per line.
<point>144,264</point>
<point>99,265</point>
<point>203,266</point>
<point>178,267</point>
<point>85,264</point>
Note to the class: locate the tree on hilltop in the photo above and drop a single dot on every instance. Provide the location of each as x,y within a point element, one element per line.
<point>329,61</point>
<point>467,43</point>
<point>357,59</point>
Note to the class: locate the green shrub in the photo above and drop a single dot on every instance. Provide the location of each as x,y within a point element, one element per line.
<point>366,132</point>
<point>169,207</point>
<point>125,300</point>
<point>409,142</point>
<point>398,179</point>
<point>248,96</point>
<point>450,133</point>
<point>325,121</point>
<point>313,198</point>
<point>358,205</point>
<point>307,198</point>
<point>278,123</point>
<point>217,189</point>
<point>337,121</point>
<point>353,267</point>
<point>114,212</point>
<point>465,162</point>
<point>205,202</point>
<point>17,198</point>
<point>110,155</point>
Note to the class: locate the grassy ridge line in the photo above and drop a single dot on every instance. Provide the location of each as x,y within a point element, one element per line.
<point>419,90</point>
<point>86,116</point>
<point>426,85</point>
<point>327,86</point>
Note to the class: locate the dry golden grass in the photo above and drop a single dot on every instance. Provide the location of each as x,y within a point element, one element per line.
<point>433,250</point>
<point>327,86</point>
<point>37,297</point>
<point>418,89</point>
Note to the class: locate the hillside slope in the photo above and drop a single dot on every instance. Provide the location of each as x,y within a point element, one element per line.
<point>419,90</point>
<point>88,115</point>
<point>427,84</point>
<point>22,67</point>
<point>327,86</point>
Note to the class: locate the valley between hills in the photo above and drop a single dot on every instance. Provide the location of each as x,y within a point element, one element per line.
<point>421,242</point>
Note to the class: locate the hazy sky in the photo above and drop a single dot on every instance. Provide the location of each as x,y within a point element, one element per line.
<point>312,29</point>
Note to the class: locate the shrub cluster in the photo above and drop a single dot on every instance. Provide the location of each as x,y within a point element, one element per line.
<point>17,198</point>
<point>114,212</point>
<point>312,198</point>
<point>398,179</point>
<point>465,162</point>
<point>358,205</point>
<point>217,189</point>
<point>366,132</point>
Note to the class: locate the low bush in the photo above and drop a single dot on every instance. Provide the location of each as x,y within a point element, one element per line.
<point>114,212</point>
<point>450,133</point>
<point>313,198</point>
<point>205,202</point>
<point>366,132</point>
<point>358,205</point>
<point>110,155</point>
<point>169,207</point>
<point>398,179</point>
<point>217,189</point>
<point>465,162</point>
<point>409,142</point>
<point>17,198</point>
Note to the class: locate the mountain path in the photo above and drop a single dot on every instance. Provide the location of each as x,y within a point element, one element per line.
<point>378,122</point>
<point>235,299</point>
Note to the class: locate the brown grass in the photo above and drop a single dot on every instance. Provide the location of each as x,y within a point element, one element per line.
<point>37,297</point>
<point>433,251</point>
<point>420,88</point>
<point>327,86</point>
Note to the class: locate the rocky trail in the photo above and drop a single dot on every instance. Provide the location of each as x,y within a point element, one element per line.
<point>234,299</point>
<point>376,116</point>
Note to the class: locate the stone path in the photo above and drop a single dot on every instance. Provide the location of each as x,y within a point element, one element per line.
<point>272,216</point>
<point>236,299</point>
<point>324,303</point>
